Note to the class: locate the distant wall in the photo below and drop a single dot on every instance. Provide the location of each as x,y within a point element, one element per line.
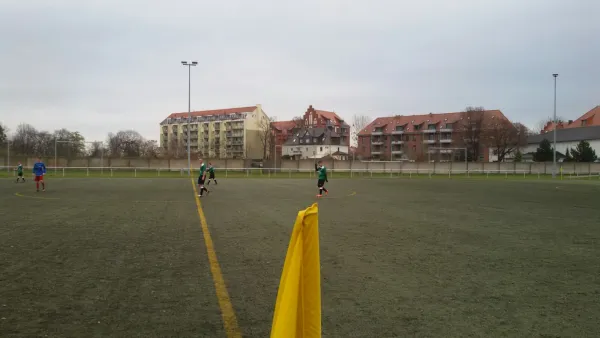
<point>304,165</point>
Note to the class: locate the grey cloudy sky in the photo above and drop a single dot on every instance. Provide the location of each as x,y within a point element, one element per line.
<point>105,65</point>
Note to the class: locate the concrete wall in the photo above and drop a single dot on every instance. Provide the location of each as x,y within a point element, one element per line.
<point>333,165</point>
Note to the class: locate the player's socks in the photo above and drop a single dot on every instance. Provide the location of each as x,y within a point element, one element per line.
<point>208,183</point>
<point>215,181</point>
<point>326,191</point>
<point>37,186</point>
<point>320,191</point>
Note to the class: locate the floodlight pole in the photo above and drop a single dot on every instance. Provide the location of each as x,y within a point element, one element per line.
<point>554,131</point>
<point>7,154</point>
<point>189,65</point>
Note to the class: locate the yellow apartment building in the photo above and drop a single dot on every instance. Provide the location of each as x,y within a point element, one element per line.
<point>219,133</point>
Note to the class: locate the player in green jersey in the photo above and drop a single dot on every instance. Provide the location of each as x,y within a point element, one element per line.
<point>20,173</point>
<point>211,174</point>
<point>202,178</point>
<point>320,168</point>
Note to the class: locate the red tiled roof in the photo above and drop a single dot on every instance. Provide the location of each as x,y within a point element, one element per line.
<point>329,115</point>
<point>591,118</point>
<point>389,123</point>
<point>283,125</point>
<point>216,112</point>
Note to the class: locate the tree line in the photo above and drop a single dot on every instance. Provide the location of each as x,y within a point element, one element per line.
<point>26,140</point>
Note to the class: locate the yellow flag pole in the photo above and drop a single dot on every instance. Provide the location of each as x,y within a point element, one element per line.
<point>298,306</point>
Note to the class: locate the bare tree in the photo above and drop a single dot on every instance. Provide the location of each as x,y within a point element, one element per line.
<point>25,139</point>
<point>298,123</point>
<point>359,122</point>
<point>127,143</point>
<point>149,149</point>
<point>505,137</point>
<point>542,123</point>
<point>266,136</point>
<point>469,130</point>
<point>97,149</point>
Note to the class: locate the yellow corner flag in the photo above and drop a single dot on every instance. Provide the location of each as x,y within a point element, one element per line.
<point>298,306</point>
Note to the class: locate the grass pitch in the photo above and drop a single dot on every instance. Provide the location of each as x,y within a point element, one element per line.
<point>400,257</point>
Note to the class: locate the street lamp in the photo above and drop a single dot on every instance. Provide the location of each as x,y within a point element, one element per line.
<point>189,64</point>
<point>554,132</point>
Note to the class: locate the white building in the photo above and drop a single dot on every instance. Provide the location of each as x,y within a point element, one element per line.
<point>315,143</point>
<point>566,138</point>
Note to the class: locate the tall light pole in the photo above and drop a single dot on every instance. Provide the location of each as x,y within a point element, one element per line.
<point>8,153</point>
<point>554,132</point>
<point>189,64</point>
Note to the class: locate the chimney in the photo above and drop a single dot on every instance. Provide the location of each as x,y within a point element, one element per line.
<point>570,121</point>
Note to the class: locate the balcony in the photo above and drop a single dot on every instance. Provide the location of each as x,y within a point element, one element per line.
<point>376,133</point>
<point>377,142</point>
<point>429,131</point>
<point>445,151</point>
<point>397,152</point>
<point>429,141</point>
<point>397,132</point>
<point>376,152</point>
<point>445,140</point>
<point>397,142</point>
<point>446,130</point>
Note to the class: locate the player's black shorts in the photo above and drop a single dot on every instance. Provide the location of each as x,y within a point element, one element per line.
<point>320,183</point>
<point>212,176</point>
<point>20,174</point>
<point>200,181</point>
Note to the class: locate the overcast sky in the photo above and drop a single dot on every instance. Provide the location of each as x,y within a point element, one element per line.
<point>98,66</point>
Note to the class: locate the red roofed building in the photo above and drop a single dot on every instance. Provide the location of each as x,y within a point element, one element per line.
<point>589,119</point>
<point>420,137</point>
<point>314,118</point>
<point>282,130</point>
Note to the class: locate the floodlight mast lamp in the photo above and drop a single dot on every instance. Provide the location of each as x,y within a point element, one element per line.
<point>554,131</point>
<point>189,64</point>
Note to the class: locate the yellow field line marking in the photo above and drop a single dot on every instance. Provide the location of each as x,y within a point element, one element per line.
<point>36,197</point>
<point>229,320</point>
<point>352,194</point>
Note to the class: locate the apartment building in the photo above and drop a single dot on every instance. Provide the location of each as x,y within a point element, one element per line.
<point>436,137</point>
<point>219,133</point>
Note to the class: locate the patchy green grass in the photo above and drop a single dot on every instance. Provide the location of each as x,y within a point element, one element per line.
<point>400,257</point>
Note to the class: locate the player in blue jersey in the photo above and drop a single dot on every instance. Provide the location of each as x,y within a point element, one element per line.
<point>39,170</point>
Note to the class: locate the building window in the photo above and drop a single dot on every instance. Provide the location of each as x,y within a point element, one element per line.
<point>321,149</point>
<point>414,138</point>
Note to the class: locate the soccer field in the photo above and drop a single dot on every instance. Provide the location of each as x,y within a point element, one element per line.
<point>127,257</point>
